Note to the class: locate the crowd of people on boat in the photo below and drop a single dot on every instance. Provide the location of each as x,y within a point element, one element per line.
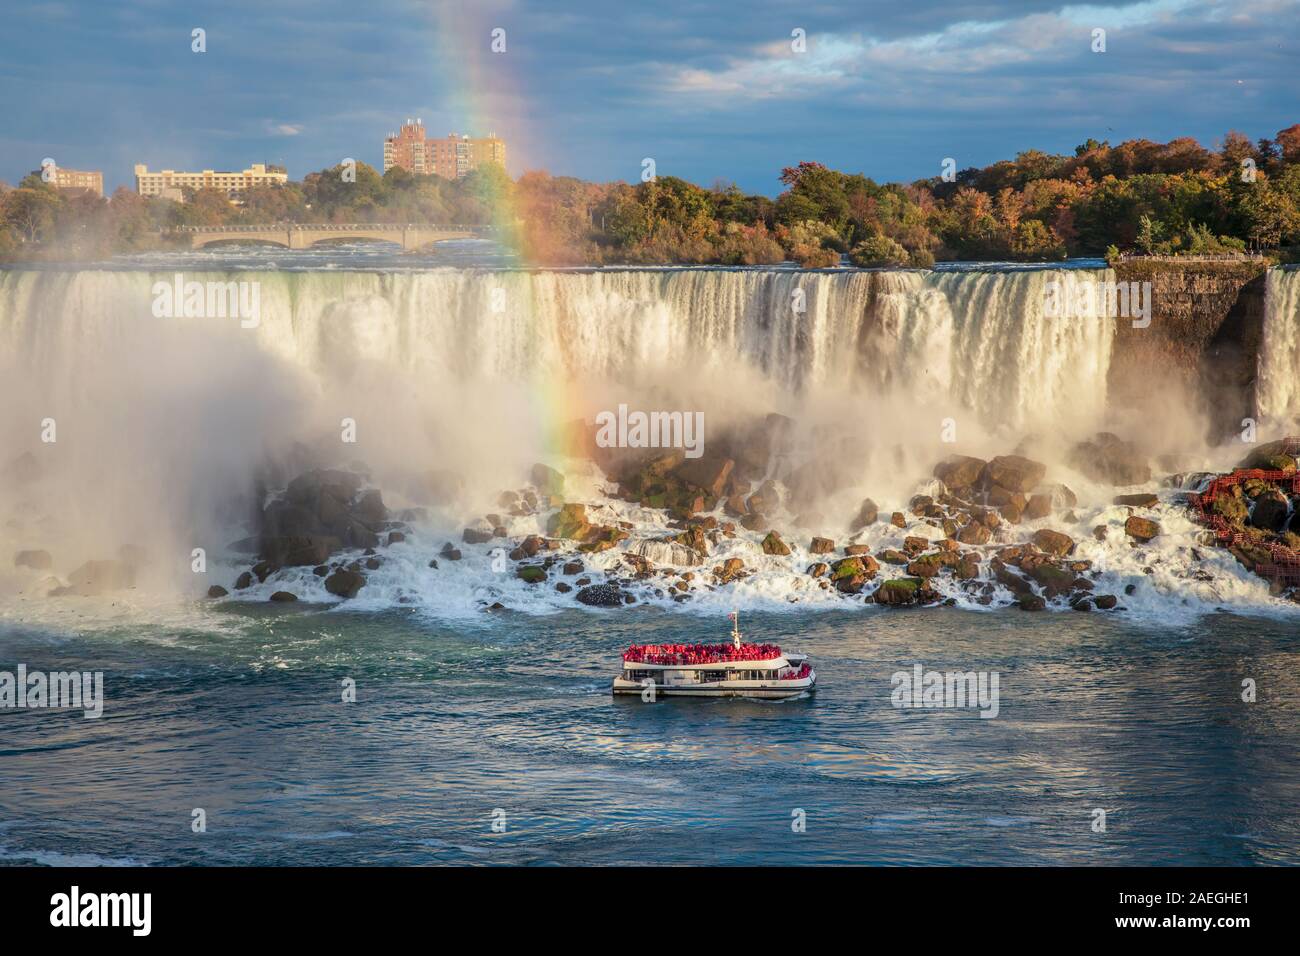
<point>699,653</point>
<point>799,674</point>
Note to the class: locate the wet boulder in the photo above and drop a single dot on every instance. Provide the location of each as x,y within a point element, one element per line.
<point>709,473</point>
<point>868,514</point>
<point>773,544</point>
<point>1055,543</point>
<point>344,583</point>
<point>1015,473</point>
<point>569,522</point>
<point>1141,529</point>
<point>959,472</point>
<point>1144,500</point>
<point>1270,511</point>
<point>899,591</point>
<point>1108,458</point>
<point>97,577</point>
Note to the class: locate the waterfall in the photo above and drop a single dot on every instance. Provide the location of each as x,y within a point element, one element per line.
<point>977,342</point>
<point>1277,389</point>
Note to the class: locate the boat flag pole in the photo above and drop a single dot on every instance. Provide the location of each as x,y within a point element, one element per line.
<point>735,628</point>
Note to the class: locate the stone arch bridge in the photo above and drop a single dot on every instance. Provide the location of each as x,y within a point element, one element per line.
<point>304,235</point>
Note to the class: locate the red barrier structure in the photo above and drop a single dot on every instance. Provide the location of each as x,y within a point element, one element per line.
<point>1284,566</point>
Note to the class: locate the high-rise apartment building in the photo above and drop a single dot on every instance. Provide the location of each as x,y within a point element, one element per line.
<point>450,157</point>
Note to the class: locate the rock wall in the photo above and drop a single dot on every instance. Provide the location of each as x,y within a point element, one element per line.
<point>1202,344</point>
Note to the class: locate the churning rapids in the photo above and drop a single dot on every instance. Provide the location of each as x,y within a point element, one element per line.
<point>162,425</point>
<point>170,432</point>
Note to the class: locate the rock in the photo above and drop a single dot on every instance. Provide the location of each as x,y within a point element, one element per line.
<point>709,473</point>
<point>1145,500</point>
<point>898,591</point>
<point>562,587</point>
<point>868,514</point>
<point>1014,473</point>
<point>284,597</point>
<point>1270,511</point>
<point>36,560</point>
<point>974,534</point>
<point>821,546</point>
<point>369,508</point>
<point>569,522</point>
<point>395,537</point>
<point>1062,497</point>
<point>891,556</point>
<point>817,570</point>
<point>898,519</point>
<point>547,480</point>
<point>299,550</point>
<point>766,498</point>
<point>1141,529</point>
<point>914,545</point>
<point>729,570</point>
<point>476,536</point>
<point>245,580</point>
<point>1108,458</point>
<point>959,472</point>
<point>601,538</point>
<point>736,505</point>
<point>1009,579</point>
<point>1038,506</point>
<point>345,584</point>
<point>1105,602</point>
<point>572,567</point>
<point>601,595</point>
<point>1270,456</point>
<point>217,591</point>
<point>1100,532</point>
<point>531,574</point>
<point>850,574</point>
<point>1031,602</point>
<point>373,564</point>
<point>449,552</point>
<point>96,577</point>
<point>926,566</point>
<point>773,544</point>
<point>670,553</point>
<point>1054,579</point>
<point>1232,507</point>
<point>433,563</point>
<point>754,522</point>
<point>1052,542</point>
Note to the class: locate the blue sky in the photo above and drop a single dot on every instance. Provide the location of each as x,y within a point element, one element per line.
<point>586,88</point>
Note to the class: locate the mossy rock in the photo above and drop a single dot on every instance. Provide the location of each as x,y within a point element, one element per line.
<point>773,544</point>
<point>899,591</point>
<point>569,522</point>
<point>531,574</point>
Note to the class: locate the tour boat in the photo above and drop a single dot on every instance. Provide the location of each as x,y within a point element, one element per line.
<point>715,670</point>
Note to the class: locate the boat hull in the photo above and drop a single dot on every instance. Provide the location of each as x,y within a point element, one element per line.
<point>759,690</point>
